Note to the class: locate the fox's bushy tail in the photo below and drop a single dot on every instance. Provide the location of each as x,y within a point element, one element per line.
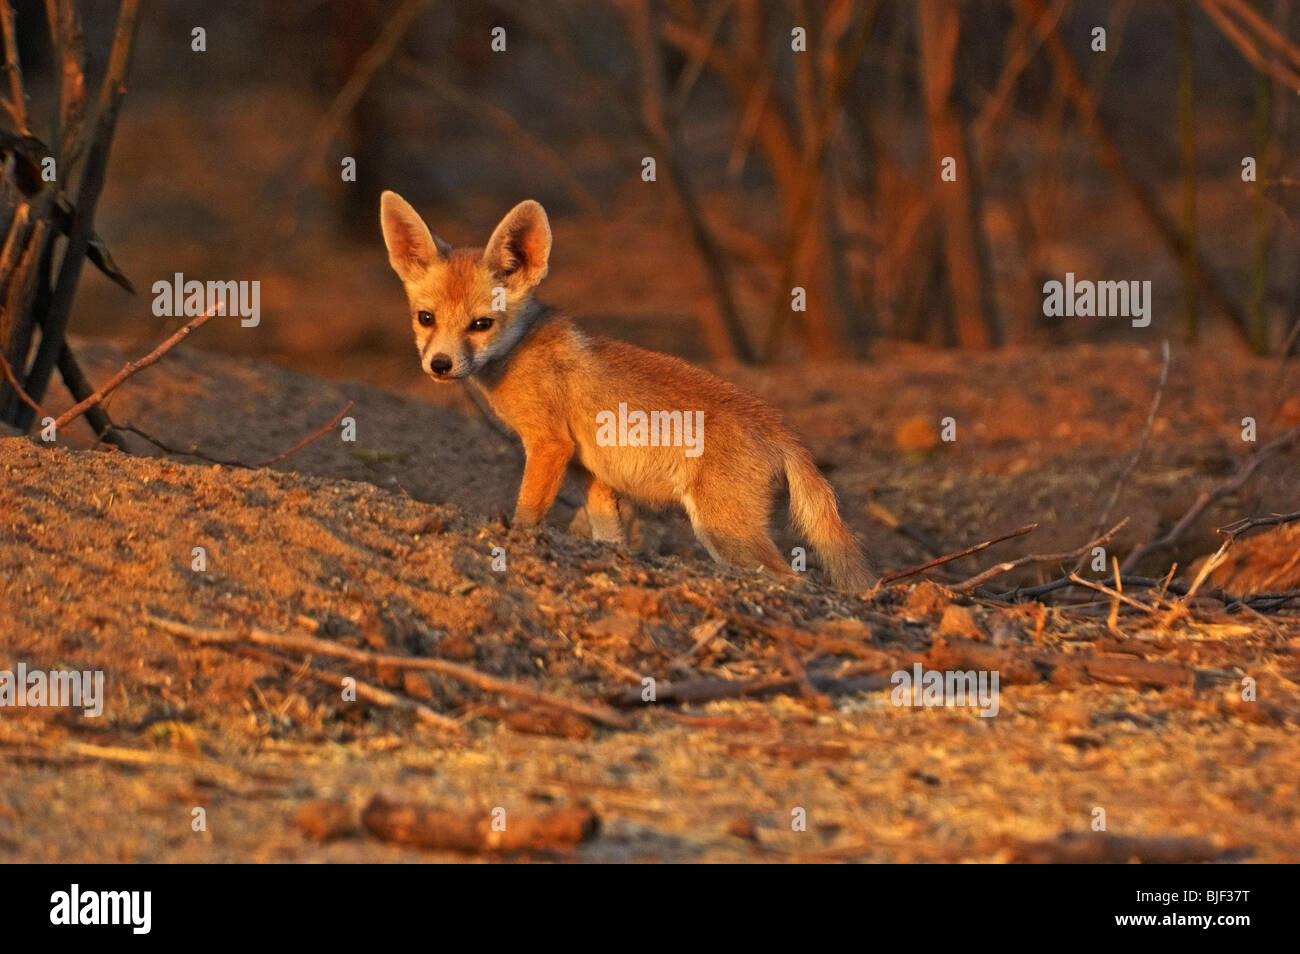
<point>812,505</point>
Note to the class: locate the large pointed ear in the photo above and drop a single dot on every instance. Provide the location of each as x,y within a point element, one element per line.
<point>412,248</point>
<point>520,248</point>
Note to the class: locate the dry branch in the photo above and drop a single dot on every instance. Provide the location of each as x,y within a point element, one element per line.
<point>695,63</point>
<point>1113,158</point>
<point>442,829</point>
<point>18,388</point>
<point>812,175</point>
<point>193,449</point>
<point>68,44</point>
<point>506,124</point>
<point>1179,609</point>
<point>79,386</point>
<point>1024,46</point>
<point>967,585</point>
<point>1244,472</point>
<point>1287,74</point>
<point>17,101</point>
<point>131,367</point>
<point>307,440</point>
<point>1021,667</point>
<point>1240,527</point>
<point>379,53</point>
<point>795,667</point>
<point>939,561</point>
<point>365,691</point>
<point>653,122</point>
<point>70,750</point>
<point>1115,594</point>
<point>970,277</point>
<point>55,323</point>
<point>1018,666</point>
<point>462,674</point>
<point>1252,601</point>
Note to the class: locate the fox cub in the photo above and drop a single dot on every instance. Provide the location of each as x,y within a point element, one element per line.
<point>634,421</point>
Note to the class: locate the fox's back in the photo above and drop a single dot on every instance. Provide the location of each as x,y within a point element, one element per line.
<point>669,382</point>
<point>616,380</point>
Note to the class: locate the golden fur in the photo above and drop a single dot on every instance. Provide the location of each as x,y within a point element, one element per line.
<point>548,381</point>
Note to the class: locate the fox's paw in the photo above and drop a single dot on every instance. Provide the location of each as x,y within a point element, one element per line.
<point>580,525</point>
<point>599,531</point>
<point>524,520</point>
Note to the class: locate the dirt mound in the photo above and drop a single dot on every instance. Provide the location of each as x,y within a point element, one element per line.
<point>498,669</point>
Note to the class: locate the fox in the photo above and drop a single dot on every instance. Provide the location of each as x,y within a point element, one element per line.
<point>476,321</point>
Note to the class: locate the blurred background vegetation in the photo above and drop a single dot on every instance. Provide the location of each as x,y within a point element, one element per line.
<point>774,168</point>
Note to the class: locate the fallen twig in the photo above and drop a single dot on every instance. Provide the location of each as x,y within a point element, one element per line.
<point>1030,667</point>
<point>795,667</point>
<point>1180,608</point>
<point>462,674</point>
<point>970,584</point>
<point>365,691</point>
<point>307,440</point>
<point>193,450</point>
<point>1240,527</point>
<point>79,387</point>
<point>121,755</point>
<point>1164,584</point>
<point>433,827</point>
<point>1115,594</point>
<point>939,561</point>
<point>1244,472</point>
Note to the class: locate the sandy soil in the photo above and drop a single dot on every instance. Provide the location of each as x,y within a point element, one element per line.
<point>385,545</point>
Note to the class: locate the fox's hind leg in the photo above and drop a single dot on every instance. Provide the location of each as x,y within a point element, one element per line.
<point>732,525</point>
<point>602,512</point>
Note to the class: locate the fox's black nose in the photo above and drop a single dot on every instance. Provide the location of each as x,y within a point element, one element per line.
<point>440,364</point>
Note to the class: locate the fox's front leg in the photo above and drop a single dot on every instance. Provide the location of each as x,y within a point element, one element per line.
<point>544,466</point>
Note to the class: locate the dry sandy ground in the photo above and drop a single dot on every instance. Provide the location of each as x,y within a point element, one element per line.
<point>385,545</point>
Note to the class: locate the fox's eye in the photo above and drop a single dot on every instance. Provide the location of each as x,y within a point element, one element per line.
<point>480,324</point>
<point>425,318</point>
